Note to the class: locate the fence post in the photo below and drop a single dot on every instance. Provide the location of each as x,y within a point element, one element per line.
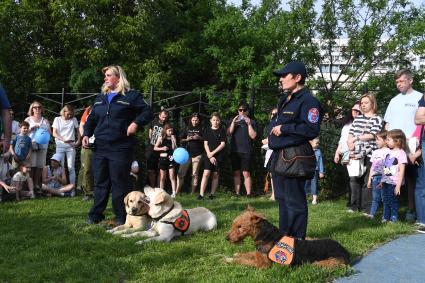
<point>63,97</point>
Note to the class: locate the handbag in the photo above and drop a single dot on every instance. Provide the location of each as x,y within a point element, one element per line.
<point>356,167</point>
<point>297,161</point>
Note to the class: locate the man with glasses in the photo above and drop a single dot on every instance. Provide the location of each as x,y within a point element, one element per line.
<point>400,114</point>
<point>243,131</point>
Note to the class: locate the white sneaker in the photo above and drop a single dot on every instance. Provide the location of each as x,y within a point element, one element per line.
<point>419,224</point>
<point>173,195</point>
<point>421,230</point>
<point>314,202</point>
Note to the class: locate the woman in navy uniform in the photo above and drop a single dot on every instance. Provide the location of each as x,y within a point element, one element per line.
<point>116,115</point>
<point>298,121</point>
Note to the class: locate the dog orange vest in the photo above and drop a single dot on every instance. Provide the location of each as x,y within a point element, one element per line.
<point>283,251</point>
<point>182,223</point>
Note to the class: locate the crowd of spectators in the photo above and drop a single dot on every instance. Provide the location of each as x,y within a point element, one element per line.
<point>366,139</point>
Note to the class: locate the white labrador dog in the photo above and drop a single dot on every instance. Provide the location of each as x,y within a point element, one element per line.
<point>169,220</point>
<point>137,214</point>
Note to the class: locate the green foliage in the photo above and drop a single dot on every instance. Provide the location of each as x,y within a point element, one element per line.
<point>47,240</point>
<point>220,50</point>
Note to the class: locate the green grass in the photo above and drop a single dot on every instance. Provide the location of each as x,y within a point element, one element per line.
<point>47,240</point>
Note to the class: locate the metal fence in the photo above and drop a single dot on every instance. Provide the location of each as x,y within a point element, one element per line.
<point>181,104</point>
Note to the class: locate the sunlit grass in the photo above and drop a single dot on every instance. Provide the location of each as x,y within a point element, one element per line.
<point>47,240</point>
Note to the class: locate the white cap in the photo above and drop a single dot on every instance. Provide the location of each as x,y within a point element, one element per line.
<point>57,157</point>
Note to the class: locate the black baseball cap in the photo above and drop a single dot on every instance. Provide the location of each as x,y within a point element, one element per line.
<point>293,67</point>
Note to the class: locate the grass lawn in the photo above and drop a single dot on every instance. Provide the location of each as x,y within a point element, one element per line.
<point>47,240</point>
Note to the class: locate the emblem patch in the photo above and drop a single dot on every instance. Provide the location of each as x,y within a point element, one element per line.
<point>313,115</point>
<point>283,251</point>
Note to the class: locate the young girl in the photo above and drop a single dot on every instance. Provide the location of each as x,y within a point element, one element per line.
<point>214,143</point>
<point>377,171</point>
<point>20,178</point>
<point>165,145</point>
<point>54,179</point>
<point>312,184</point>
<point>394,168</point>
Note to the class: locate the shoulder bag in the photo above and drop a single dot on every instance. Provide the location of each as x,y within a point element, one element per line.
<point>297,161</point>
<point>356,167</point>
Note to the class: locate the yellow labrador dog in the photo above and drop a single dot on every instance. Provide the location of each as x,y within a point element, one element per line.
<point>137,214</point>
<point>169,220</point>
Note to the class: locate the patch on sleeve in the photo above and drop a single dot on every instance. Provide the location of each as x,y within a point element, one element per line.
<point>313,115</point>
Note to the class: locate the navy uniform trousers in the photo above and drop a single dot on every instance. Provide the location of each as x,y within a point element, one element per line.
<point>111,172</point>
<point>293,210</point>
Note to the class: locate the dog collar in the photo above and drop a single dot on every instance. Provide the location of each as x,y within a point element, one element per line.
<point>165,213</point>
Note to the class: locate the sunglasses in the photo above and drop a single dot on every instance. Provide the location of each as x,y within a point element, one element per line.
<point>36,107</point>
<point>242,110</point>
<point>274,113</point>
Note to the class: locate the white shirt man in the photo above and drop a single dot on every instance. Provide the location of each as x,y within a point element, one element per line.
<point>401,111</point>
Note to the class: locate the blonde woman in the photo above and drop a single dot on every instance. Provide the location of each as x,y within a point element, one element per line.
<point>39,151</point>
<point>117,113</point>
<point>67,138</point>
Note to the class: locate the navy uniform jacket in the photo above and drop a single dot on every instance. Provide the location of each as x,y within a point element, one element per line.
<point>300,119</point>
<point>108,122</point>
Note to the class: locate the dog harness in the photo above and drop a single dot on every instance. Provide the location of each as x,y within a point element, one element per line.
<point>182,223</point>
<point>283,251</point>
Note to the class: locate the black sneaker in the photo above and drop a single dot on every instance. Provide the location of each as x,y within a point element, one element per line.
<point>421,230</point>
<point>200,197</point>
<point>211,197</point>
<point>92,221</point>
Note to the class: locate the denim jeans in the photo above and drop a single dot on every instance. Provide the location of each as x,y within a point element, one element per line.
<point>68,151</point>
<point>420,192</point>
<point>311,185</point>
<point>390,202</point>
<point>376,195</point>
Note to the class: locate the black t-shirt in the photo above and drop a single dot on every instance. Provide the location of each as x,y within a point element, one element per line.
<point>214,138</point>
<point>156,127</point>
<point>194,147</point>
<point>167,142</point>
<point>241,142</point>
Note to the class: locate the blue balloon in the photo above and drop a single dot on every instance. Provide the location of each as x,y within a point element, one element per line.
<point>41,136</point>
<point>180,155</point>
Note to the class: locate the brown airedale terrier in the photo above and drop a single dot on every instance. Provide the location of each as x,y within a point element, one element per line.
<point>271,245</point>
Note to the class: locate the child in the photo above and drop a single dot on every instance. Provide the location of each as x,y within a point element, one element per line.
<point>23,177</point>
<point>214,143</point>
<point>5,176</point>
<point>394,168</point>
<point>134,174</point>
<point>165,145</point>
<point>376,171</point>
<point>21,145</point>
<point>312,185</point>
<point>54,179</point>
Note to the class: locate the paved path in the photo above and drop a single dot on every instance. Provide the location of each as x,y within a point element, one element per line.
<point>399,261</point>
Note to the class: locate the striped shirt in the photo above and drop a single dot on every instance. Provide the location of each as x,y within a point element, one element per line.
<point>365,125</point>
